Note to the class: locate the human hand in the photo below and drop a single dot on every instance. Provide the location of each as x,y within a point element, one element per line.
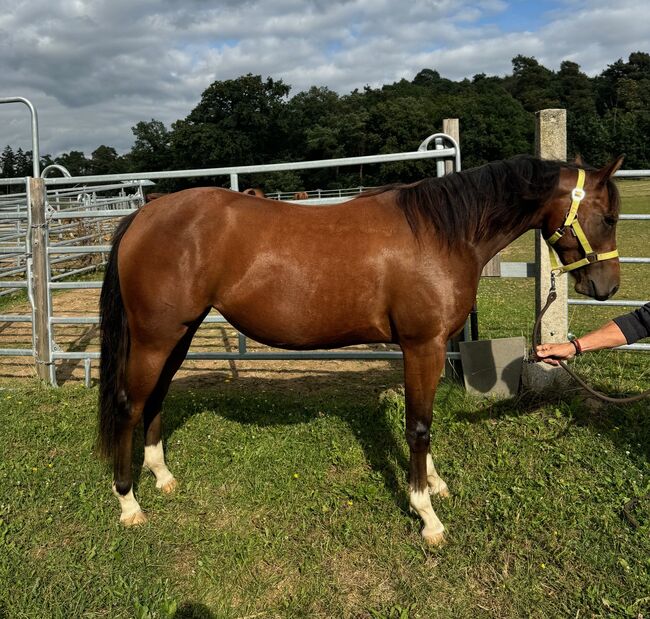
<point>554,353</point>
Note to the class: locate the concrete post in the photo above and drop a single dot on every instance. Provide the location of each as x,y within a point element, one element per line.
<point>451,127</point>
<point>453,367</point>
<point>550,143</point>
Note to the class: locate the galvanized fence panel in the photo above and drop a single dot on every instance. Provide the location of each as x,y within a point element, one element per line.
<point>79,215</point>
<point>15,272</point>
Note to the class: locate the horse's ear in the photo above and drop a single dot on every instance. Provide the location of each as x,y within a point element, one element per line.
<point>578,160</point>
<point>605,173</point>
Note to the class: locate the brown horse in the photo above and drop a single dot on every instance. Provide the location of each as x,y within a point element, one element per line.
<point>150,197</point>
<point>254,191</point>
<point>398,264</point>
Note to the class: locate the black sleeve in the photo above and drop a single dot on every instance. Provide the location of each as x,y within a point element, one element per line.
<point>635,325</point>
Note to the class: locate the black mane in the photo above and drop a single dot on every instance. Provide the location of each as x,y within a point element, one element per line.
<point>474,204</point>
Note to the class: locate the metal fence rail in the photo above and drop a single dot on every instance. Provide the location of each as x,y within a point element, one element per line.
<point>15,268</point>
<point>62,225</point>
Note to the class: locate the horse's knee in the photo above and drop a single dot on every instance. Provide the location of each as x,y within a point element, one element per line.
<point>418,437</point>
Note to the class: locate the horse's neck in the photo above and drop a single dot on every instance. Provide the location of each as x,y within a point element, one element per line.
<point>487,248</point>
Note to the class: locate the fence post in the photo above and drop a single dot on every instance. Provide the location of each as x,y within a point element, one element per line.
<point>40,298</point>
<point>550,143</point>
<point>453,367</point>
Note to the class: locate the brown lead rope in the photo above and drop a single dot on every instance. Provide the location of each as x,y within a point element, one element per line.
<point>552,295</point>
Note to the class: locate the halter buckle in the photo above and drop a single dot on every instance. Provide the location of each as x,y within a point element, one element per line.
<point>556,236</point>
<point>592,257</point>
<point>578,194</point>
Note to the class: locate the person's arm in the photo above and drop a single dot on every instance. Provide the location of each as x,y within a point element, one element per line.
<point>635,325</point>
<point>608,336</point>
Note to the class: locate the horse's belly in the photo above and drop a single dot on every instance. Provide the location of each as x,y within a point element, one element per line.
<point>304,325</point>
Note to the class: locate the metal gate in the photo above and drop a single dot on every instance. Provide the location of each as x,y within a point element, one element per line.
<point>67,221</point>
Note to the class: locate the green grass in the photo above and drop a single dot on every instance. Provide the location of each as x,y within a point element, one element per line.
<point>293,504</point>
<point>292,498</point>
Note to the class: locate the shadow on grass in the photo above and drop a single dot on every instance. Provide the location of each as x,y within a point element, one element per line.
<point>354,397</point>
<point>626,426</point>
<point>193,610</point>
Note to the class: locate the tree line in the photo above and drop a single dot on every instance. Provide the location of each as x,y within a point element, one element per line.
<point>251,120</point>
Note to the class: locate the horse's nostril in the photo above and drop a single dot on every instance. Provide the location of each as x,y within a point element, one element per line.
<point>613,291</point>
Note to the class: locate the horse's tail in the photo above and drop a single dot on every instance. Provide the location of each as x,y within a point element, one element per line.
<point>114,335</point>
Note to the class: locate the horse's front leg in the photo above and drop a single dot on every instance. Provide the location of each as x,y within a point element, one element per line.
<point>423,362</point>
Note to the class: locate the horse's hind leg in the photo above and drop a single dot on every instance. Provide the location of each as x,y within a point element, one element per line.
<point>154,458</point>
<point>423,363</point>
<point>145,366</point>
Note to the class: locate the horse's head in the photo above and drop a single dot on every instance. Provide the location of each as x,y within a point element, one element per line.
<point>581,227</point>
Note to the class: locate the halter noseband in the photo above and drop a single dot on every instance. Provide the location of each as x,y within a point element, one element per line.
<point>577,195</point>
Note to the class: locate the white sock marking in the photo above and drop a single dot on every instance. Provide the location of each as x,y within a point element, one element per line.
<point>436,484</point>
<point>128,504</point>
<point>154,460</point>
<point>421,503</point>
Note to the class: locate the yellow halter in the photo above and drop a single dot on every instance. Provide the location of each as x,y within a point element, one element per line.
<point>577,195</point>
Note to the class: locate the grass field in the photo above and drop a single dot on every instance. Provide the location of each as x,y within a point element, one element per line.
<point>292,498</point>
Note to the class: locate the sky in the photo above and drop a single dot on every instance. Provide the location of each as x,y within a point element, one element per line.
<point>94,68</point>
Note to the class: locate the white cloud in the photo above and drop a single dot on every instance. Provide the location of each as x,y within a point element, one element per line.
<point>94,69</point>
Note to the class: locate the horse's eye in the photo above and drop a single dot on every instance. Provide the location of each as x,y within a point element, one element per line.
<point>610,221</point>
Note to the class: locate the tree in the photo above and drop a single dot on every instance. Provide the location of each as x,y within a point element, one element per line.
<point>493,124</point>
<point>532,84</point>
<point>75,162</point>
<point>23,163</point>
<point>8,160</point>
<point>623,100</point>
<point>302,113</point>
<point>105,160</point>
<point>151,150</point>
<point>237,122</point>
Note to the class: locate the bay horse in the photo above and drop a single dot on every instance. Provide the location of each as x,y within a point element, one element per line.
<point>150,197</point>
<point>398,264</point>
<point>254,191</point>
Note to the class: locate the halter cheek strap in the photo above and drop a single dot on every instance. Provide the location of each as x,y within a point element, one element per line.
<point>577,195</point>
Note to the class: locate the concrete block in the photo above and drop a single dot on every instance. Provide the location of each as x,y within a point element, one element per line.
<point>493,367</point>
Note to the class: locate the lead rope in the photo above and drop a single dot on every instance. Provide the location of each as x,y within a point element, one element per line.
<point>552,296</point>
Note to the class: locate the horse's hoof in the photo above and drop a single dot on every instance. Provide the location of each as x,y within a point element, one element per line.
<point>169,486</point>
<point>434,539</point>
<point>133,520</point>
